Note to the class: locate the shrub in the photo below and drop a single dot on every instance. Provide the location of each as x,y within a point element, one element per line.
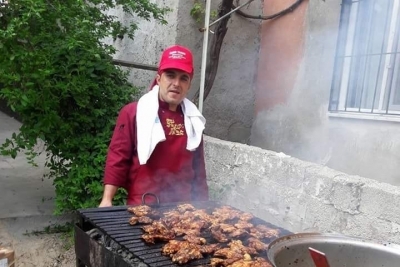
<point>57,75</point>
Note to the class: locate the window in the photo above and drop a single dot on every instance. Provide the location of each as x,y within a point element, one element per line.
<point>367,66</point>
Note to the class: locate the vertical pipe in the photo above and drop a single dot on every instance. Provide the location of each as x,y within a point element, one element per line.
<point>204,55</point>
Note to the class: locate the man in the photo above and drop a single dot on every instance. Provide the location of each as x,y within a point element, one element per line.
<point>157,149</point>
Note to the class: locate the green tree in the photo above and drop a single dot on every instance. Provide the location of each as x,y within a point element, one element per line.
<point>58,76</point>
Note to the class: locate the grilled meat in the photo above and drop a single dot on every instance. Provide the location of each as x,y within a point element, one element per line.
<point>260,262</point>
<point>202,215</point>
<point>185,207</point>
<point>144,219</point>
<point>208,249</point>
<point>235,252</point>
<point>157,231</point>
<point>189,226</point>
<point>227,228</point>
<point>241,224</point>
<point>257,244</point>
<point>133,220</point>
<point>229,253</point>
<point>238,233</point>
<point>216,262</point>
<point>156,227</point>
<point>193,232</point>
<point>189,229</point>
<point>241,263</point>
<point>172,213</point>
<point>268,232</point>
<point>218,235</point>
<point>224,262</point>
<point>195,224</point>
<point>246,216</point>
<point>171,218</point>
<point>225,224</point>
<point>238,245</point>
<point>228,262</point>
<point>174,246</point>
<point>189,252</point>
<point>144,210</point>
<point>257,234</point>
<point>151,238</point>
<point>195,239</point>
<point>139,211</point>
<point>225,213</point>
<point>150,229</point>
<point>246,262</point>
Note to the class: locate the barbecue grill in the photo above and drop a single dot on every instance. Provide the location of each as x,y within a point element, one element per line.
<point>104,237</point>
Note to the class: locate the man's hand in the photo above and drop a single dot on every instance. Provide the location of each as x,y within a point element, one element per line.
<point>108,195</point>
<point>105,203</point>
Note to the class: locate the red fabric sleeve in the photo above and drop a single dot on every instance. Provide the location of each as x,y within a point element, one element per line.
<point>121,148</point>
<point>199,186</point>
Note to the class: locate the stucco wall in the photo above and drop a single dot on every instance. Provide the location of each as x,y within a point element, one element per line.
<point>149,41</point>
<point>301,196</point>
<point>298,124</point>
<point>301,127</point>
<point>280,53</point>
<point>364,147</point>
<point>235,79</point>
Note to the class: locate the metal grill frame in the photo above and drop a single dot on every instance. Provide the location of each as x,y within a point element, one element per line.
<point>113,222</point>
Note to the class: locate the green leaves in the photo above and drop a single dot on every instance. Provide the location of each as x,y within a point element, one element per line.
<point>59,78</point>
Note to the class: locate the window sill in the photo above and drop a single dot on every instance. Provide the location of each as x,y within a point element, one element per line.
<point>361,116</point>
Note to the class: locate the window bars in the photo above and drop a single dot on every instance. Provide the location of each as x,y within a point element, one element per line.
<point>366,77</point>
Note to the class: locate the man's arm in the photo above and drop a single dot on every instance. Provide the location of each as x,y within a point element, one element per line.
<point>119,156</point>
<point>108,195</point>
<point>200,187</point>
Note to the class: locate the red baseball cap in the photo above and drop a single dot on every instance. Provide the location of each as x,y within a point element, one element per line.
<point>175,57</point>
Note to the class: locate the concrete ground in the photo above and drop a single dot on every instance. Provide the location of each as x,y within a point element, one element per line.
<point>27,206</point>
<point>23,189</point>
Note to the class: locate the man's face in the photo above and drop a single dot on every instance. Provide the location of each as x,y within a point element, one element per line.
<point>174,85</point>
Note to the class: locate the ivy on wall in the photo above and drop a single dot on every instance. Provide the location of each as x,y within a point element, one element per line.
<point>198,11</point>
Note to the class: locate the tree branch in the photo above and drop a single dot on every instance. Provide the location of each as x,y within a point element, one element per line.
<point>279,14</point>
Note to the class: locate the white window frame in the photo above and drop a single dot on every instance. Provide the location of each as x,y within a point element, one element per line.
<point>387,58</point>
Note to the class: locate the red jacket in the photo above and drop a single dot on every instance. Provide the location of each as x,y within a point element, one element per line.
<point>172,172</point>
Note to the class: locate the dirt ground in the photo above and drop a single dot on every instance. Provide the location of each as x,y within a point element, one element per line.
<point>41,250</point>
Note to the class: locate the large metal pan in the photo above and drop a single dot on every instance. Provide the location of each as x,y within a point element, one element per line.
<point>341,251</point>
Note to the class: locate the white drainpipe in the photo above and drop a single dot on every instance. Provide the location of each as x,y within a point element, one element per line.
<point>204,55</point>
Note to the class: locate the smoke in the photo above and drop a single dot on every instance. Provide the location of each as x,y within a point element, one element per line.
<point>301,126</point>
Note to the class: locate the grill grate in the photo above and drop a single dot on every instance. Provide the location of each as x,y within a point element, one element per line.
<point>114,222</point>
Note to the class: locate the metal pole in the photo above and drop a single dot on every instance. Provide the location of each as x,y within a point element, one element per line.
<point>204,55</point>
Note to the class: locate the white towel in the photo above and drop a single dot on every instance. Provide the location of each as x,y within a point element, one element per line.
<point>149,128</point>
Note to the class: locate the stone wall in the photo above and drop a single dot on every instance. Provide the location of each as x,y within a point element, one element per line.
<point>150,39</point>
<point>301,196</point>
